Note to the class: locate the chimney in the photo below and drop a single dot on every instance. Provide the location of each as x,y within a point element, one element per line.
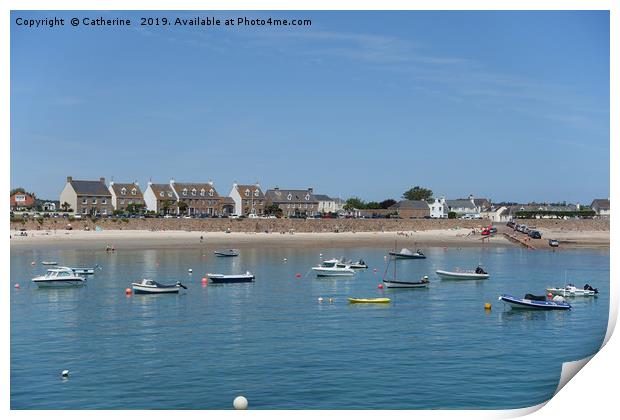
<point>102,180</point>
<point>69,178</point>
<point>210,182</point>
<point>310,190</point>
<point>276,189</point>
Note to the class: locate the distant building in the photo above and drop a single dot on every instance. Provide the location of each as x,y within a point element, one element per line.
<point>201,199</point>
<point>411,209</point>
<point>22,201</point>
<point>295,203</point>
<point>327,204</point>
<point>87,197</point>
<point>47,205</point>
<point>496,214</point>
<point>601,207</point>
<point>482,204</point>
<point>438,209</point>
<point>124,195</point>
<point>160,198</point>
<point>463,206</point>
<point>247,199</point>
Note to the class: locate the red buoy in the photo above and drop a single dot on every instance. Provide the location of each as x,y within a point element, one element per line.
<point>298,275</point>
<point>17,285</point>
<point>128,291</point>
<point>380,286</point>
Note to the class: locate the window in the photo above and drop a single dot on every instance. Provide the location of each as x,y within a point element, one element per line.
<point>193,191</point>
<point>123,191</point>
<point>169,193</point>
<point>84,201</point>
<point>247,193</point>
<point>184,191</point>
<point>211,192</point>
<point>161,193</point>
<point>122,202</point>
<point>134,191</point>
<point>94,201</point>
<point>104,201</point>
<point>202,192</point>
<point>104,212</point>
<point>307,197</point>
<point>255,193</point>
<point>84,210</point>
<point>288,206</point>
<point>129,201</point>
<point>288,197</point>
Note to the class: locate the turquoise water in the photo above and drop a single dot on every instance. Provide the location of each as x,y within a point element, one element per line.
<point>273,342</point>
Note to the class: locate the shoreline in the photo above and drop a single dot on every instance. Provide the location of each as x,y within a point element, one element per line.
<point>144,239</point>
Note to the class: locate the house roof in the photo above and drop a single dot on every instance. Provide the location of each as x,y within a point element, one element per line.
<point>482,202</point>
<point>410,205</point>
<point>198,186</point>
<point>241,188</point>
<point>90,187</point>
<point>228,200</point>
<point>323,197</point>
<point>165,188</point>
<point>118,190</point>
<point>290,196</point>
<point>455,204</point>
<point>600,203</point>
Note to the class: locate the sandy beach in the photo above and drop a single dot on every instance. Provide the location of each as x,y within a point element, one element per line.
<point>144,239</point>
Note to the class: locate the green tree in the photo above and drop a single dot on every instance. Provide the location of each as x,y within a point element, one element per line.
<point>451,215</point>
<point>165,205</point>
<point>385,204</point>
<point>182,206</point>
<point>65,206</point>
<point>354,203</point>
<point>373,205</point>
<point>418,193</point>
<point>18,190</point>
<point>273,209</point>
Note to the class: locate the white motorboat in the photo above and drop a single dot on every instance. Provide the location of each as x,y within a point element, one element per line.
<point>49,262</point>
<point>407,254</point>
<point>534,302</point>
<point>89,271</point>
<point>248,277</point>
<point>59,277</point>
<point>148,286</point>
<point>227,253</point>
<point>333,267</point>
<point>571,291</point>
<point>477,274</point>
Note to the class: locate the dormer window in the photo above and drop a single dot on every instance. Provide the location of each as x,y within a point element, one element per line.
<point>211,192</point>
<point>161,193</point>
<point>256,193</point>
<point>169,193</point>
<point>133,191</point>
<point>307,197</point>
<point>202,192</point>
<point>184,191</point>
<point>289,196</point>
<point>247,193</point>
<point>193,191</point>
<point>123,191</point>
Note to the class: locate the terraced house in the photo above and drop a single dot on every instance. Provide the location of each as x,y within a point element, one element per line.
<point>160,198</point>
<point>293,203</point>
<point>126,195</point>
<point>198,199</point>
<point>87,197</point>
<point>248,199</point>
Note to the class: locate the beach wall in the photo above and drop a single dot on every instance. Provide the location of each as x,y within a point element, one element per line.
<point>298,225</point>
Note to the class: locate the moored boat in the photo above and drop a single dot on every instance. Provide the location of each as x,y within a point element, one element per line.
<point>477,274</point>
<point>571,291</point>
<point>369,300</point>
<point>333,267</point>
<point>554,243</point>
<point>148,286</point>
<point>85,270</point>
<point>248,277</point>
<point>227,253</point>
<point>534,302</point>
<point>49,262</point>
<point>59,277</point>
<point>401,284</point>
<point>359,264</point>
<point>408,254</point>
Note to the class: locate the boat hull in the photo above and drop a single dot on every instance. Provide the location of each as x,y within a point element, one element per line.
<point>393,284</point>
<point>143,290</point>
<point>59,283</point>
<point>571,293</point>
<point>369,300</point>
<point>452,275</point>
<point>86,271</point>
<point>219,280</point>
<point>226,254</point>
<point>333,272</point>
<point>528,304</point>
<point>400,256</point>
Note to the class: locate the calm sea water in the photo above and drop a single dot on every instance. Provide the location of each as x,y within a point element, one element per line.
<point>273,342</point>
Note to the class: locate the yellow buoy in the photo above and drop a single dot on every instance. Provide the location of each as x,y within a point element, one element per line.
<point>487,306</point>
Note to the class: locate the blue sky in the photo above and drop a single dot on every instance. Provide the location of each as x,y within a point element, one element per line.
<point>507,105</point>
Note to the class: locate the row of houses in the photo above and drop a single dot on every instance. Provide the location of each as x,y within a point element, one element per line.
<point>195,199</point>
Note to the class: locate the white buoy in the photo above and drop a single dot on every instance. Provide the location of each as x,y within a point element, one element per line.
<point>189,270</point>
<point>240,403</point>
<point>285,260</point>
<point>320,255</point>
<point>65,373</point>
<point>320,300</point>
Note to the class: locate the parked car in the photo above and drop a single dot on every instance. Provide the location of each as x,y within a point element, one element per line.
<point>534,234</point>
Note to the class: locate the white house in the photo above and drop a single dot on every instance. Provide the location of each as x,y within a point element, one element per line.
<point>601,207</point>
<point>327,204</point>
<point>463,206</point>
<point>439,209</point>
<point>248,199</point>
<point>497,214</point>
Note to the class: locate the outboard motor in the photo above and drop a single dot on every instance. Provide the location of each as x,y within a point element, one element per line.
<point>480,270</point>
<point>588,287</point>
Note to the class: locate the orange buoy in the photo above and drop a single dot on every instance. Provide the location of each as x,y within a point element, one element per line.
<point>380,286</point>
<point>298,275</point>
<point>17,285</point>
<point>204,279</point>
<point>128,291</point>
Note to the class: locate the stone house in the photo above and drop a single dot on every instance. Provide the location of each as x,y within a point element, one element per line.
<point>247,199</point>
<point>87,197</point>
<point>411,209</point>
<point>124,195</point>
<point>293,203</point>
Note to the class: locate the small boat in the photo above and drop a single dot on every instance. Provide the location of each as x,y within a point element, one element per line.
<point>369,300</point>
<point>571,291</point>
<point>554,243</point>
<point>402,284</point>
<point>477,274</point>
<point>360,264</point>
<point>534,302</point>
<point>49,262</point>
<point>147,286</point>
<point>59,277</point>
<point>89,271</point>
<point>231,278</point>
<point>334,267</point>
<point>227,253</point>
<point>407,254</point>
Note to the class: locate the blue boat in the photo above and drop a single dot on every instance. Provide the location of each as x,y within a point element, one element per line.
<point>534,302</point>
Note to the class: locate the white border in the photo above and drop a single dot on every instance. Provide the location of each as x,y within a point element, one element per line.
<point>592,395</point>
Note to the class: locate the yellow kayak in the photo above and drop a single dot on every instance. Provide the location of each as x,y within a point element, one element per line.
<point>369,300</point>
